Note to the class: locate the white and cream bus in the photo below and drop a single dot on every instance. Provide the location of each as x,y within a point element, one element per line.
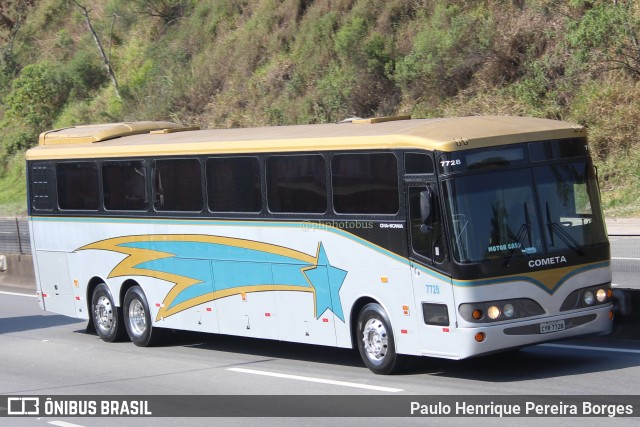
<point>438,237</point>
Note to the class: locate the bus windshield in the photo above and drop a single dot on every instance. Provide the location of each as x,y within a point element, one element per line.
<point>540,210</point>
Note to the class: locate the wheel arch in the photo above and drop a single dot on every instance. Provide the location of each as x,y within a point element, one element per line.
<point>91,287</point>
<point>126,285</point>
<point>93,284</point>
<point>357,307</point>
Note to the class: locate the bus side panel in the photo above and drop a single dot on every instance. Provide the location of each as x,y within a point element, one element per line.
<point>84,266</point>
<point>389,284</point>
<point>296,322</point>
<point>436,338</point>
<point>34,242</point>
<point>202,317</point>
<point>251,314</point>
<point>299,285</point>
<point>55,286</point>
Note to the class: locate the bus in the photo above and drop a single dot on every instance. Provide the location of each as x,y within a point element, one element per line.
<point>450,238</point>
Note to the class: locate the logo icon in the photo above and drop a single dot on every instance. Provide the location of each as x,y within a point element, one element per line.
<point>23,406</point>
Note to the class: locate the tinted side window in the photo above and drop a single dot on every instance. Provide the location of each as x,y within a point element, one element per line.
<point>77,185</point>
<point>178,185</point>
<point>416,163</point>
<point>233,184</point>
<point>365,183</point>
<point>296,184</point>
<point>426,233</point>
<point>123,183</point>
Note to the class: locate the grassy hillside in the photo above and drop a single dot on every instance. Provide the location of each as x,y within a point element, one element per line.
<point>229,63</point>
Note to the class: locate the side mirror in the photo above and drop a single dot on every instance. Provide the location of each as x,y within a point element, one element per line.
<point>425,205</point>
<point>426,229</point>
<point>425,211</point>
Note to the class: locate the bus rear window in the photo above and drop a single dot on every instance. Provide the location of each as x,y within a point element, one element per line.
<point>297,184</point>
<point>77,186</point>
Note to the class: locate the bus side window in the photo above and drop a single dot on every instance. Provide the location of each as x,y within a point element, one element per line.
<point>297,184</point>
<point>418,163</point>
<point>178,185</point>
<point>77,186</point>
<point>124,186</point>
<point>233,184</point>
<point>426,230</point>
<point>365,183</point>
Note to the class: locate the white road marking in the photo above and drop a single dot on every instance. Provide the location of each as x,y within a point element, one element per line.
<point>581,347</point>
<point>18,295</point>
<point>63,424</point>
<point>316,380</point>
<point>625,259</point>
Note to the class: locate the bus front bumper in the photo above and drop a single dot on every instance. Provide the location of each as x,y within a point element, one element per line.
<point>476,341</point>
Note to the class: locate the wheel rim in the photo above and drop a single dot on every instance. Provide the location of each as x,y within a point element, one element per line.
<point>375,340</point>
<point>104,314</point>
<point>137,318</point>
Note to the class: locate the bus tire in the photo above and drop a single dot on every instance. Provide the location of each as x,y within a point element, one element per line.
<point>137,319</point>
<point>107,318</point>
<point>375,340</point>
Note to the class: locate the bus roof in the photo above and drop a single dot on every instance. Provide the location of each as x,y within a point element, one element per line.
<point>169,139</point>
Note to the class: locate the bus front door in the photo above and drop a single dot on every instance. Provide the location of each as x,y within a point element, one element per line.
<point>433,289</point>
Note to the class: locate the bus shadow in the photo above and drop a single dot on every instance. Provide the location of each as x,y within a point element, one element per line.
<point>267,348</point>
<point>30,323</point>
<point>532,363</point>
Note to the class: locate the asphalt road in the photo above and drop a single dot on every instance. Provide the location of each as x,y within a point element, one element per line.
<point>48,354</point>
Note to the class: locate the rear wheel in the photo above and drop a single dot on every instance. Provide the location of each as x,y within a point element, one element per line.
<point>375,341</point>
<point>137,318</point>
<point>107,318</point>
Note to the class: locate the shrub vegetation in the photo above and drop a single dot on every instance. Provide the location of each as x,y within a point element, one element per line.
<point>229,63</point>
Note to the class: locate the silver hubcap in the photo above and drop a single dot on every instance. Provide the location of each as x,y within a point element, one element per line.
<point>137,319</point>
<point>104,314</point>
<point>375,339</point>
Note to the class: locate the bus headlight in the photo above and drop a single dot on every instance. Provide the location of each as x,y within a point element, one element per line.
<point>499,311</point>
<point>509,310</point>
<point>589,298</point>
<point>493,312</point>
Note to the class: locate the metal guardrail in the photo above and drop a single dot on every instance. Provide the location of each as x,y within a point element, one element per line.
<point>14,236</point>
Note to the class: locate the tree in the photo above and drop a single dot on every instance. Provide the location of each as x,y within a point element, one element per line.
<point>37,95</point>
<point>103,55</point>
<point>12,15</point>
<point>167,10</point>
<point>607,37</point>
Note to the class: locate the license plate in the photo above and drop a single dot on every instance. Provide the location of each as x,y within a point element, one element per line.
<point>555,326</point>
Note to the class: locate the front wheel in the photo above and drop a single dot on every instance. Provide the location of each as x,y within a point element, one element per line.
<point>137,319</point>
<point>107,318</point>
<point>375,341</point>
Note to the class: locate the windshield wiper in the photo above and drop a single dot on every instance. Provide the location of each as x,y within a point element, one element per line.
<point>566,238</point>
<point>524,231</point>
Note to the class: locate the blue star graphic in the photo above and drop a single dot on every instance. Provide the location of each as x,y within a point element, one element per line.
<point>327,281</point>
